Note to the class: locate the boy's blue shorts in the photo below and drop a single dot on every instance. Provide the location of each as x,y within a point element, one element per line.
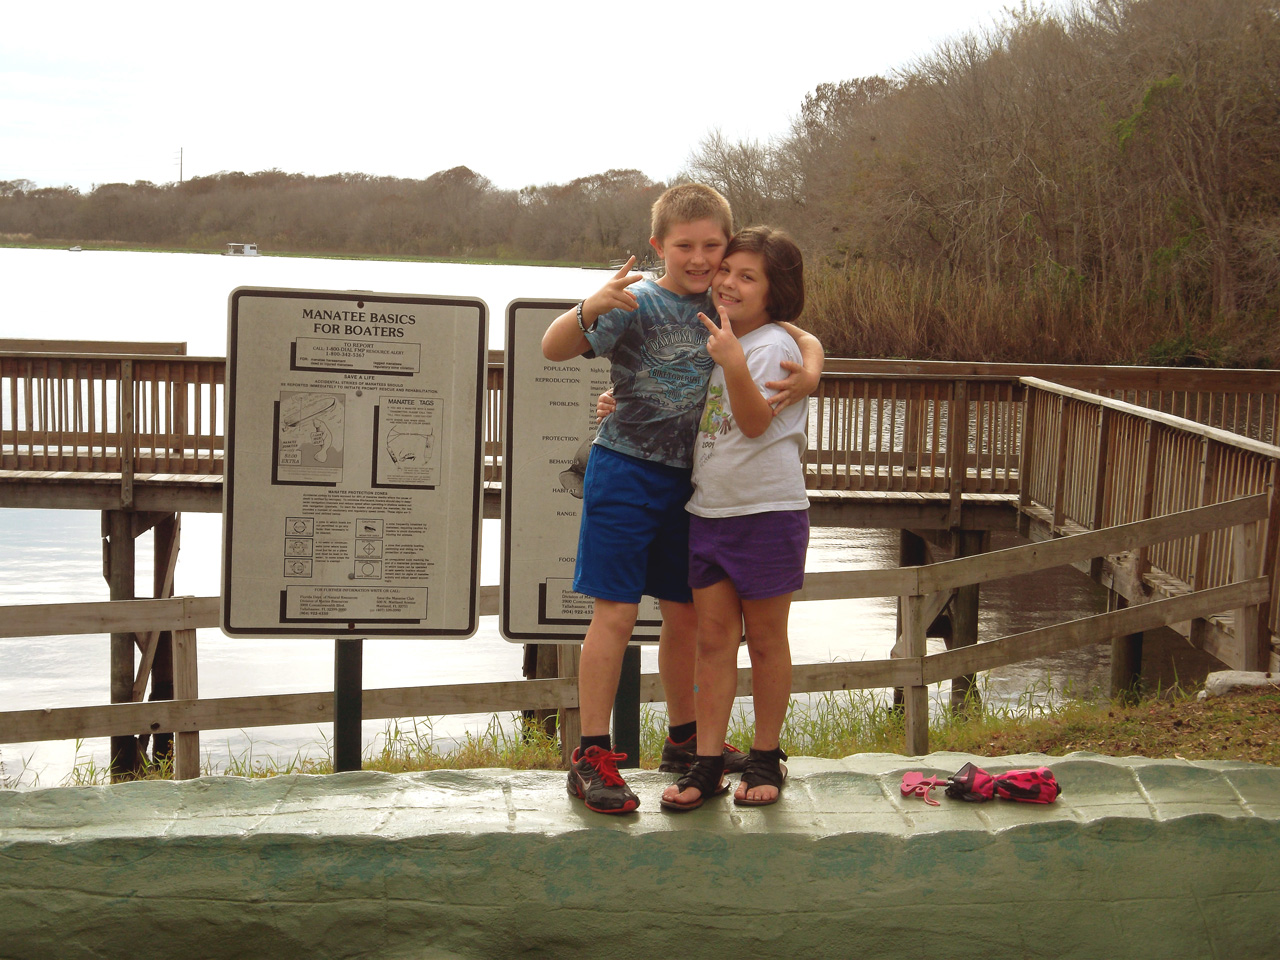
<point>634,537</point>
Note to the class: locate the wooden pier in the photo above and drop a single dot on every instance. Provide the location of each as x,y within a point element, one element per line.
<point>1159,483</point>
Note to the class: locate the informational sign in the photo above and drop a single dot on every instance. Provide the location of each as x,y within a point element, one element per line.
<point>549,423</point>
<point>352,489</point>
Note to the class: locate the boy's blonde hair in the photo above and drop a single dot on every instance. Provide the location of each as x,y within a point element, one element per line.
<point>686,203</point>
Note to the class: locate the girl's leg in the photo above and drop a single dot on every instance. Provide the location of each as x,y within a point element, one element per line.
<point>770,651</point>
<point>716,675</point>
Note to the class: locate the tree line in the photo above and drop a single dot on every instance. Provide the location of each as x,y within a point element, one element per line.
<point>453,213</point>
<point>1100,184</point>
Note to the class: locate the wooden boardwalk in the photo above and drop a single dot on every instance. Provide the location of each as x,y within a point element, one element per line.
<point>1159,483</point>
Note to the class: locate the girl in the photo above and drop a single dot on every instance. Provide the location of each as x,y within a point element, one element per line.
<point>749,528</point>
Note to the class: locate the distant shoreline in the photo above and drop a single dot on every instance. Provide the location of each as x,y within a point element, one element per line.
<point>121,247</point>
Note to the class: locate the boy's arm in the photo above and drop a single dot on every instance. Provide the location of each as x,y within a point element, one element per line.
<point>751,411</point>
<point>563,340</point>
<point>566,337</point>
<point>803,379</point>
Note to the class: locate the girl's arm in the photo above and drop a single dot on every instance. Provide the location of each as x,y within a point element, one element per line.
<point>751,411</point>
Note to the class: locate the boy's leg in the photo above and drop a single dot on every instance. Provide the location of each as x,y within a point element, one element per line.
<point>770,677</point>
<point>601,665</point>
<point>719,617</point>
<point>593,770</point>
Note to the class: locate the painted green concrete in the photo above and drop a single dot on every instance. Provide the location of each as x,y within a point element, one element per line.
<point>1138,858</point>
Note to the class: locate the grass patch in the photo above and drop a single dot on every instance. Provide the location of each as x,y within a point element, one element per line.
<point>1242,726</point>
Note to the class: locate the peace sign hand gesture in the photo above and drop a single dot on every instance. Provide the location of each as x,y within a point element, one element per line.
<point>723,344</point>
<point>614,295</point>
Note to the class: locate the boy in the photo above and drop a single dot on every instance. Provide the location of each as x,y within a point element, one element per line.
<point>634,538</point>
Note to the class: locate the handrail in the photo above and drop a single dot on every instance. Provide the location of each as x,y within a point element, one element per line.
<point>1091,462</point>
<point>874,424</point>
<point>95,347</point>
<point>914,671</point>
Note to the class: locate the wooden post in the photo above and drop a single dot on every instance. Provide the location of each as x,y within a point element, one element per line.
<point>1146,499</point>
<point>957,450</point>
<point>1126,658</point>
<point>127,434</point>
<point>540,661</point>
<point>1059,502</point>
<point>1270,547</point>
<point>186,686</point>
<point>118,561</point>
<point>1025,462</point>
<point>964,616</point>
<point>626,709</point>
<point>166,537</point>
<point>912,552</point>
<point>568,656</point>
<point>1101,484</point>
<point>1244,556</point>
<point>1204,491</point>
<point>915,698</point>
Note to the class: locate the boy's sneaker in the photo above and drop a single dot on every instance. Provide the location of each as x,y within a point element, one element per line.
<point>594,779</point>
<point>679,757</point>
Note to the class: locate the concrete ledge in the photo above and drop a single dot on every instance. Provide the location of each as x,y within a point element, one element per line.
<point>1138,858</point>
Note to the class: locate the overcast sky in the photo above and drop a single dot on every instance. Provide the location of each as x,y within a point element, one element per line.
<point>522,93</point>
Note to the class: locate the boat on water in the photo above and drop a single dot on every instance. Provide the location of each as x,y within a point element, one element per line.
<point>76,249</point>
<point>242,250</point>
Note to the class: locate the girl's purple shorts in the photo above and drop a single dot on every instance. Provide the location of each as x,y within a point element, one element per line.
<point>761,553</point>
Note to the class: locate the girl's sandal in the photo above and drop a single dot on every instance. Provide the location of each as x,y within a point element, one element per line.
<point>706,776</point>
<point>764,769</point>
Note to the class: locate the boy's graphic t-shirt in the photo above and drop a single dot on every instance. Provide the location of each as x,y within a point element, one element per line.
<point>660,368</point>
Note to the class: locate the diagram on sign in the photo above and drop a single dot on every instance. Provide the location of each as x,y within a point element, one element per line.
<point>368,547</point>
<point>407,442</point>
<point>299,546</point>
<point>309,442</point>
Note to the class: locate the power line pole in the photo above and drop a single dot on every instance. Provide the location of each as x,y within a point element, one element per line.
<point>180,164</point>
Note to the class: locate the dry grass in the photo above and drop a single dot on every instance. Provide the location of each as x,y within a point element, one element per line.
<point>1243,726</point>
<point>875,310</point>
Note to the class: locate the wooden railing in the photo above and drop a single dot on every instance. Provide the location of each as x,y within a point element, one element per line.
<point>139,414</point>
<point>916,588</point>
<point>112,414</point>
<point>872,432</point>
<point>1244,402</point>
<point>874,425</point>
<point>1090,462</point>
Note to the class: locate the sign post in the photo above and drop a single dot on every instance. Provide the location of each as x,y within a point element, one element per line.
<point>348,701</point>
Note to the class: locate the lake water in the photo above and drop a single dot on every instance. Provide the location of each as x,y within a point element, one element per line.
<point>56,556</point>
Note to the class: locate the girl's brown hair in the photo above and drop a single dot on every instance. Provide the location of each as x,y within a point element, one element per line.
<point>783,268</point>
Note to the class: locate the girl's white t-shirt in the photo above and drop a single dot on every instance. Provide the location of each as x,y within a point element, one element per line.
<point>735,475</point>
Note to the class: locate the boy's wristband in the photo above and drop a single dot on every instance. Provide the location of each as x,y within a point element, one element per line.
<point>581,326</point>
